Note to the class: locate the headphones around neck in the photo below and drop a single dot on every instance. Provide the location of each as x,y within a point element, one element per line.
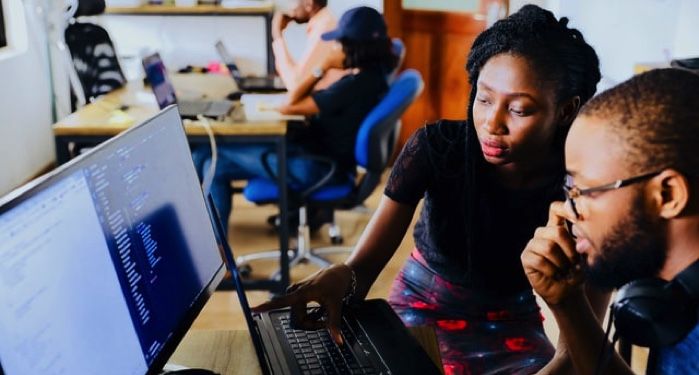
<point>654,313</point>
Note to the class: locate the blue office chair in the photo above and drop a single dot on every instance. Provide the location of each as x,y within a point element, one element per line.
<point>92,53</point>
<point>376,139</point>
<point>398,49</point>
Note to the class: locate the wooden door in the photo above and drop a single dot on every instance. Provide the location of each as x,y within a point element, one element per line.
<point>437,44</point>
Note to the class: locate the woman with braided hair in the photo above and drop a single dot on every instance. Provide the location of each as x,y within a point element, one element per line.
<point>487,183</point>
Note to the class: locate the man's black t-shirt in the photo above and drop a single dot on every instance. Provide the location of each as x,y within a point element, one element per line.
<point>343,106</point>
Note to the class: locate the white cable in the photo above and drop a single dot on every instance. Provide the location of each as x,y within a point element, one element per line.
<point>208,177</point>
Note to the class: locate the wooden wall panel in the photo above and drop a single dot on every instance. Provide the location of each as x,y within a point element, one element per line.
<point>437,44</point>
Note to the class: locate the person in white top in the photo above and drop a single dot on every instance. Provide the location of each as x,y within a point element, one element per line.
<point>319,19</point>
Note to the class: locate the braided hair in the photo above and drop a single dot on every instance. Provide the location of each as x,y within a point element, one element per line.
<point>554,51</point>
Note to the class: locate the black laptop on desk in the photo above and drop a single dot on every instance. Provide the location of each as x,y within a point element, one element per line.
<point>165,93</point>
<point>376,341</point>
<point>248,84</point>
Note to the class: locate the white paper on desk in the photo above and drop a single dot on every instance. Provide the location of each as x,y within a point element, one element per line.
<point>261,107</point>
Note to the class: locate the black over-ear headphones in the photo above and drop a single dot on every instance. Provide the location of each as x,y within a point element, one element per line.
<point>655,313</point>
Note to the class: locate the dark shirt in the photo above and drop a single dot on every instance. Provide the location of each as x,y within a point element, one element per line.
<point>433,165</point>
<point>343,106</point>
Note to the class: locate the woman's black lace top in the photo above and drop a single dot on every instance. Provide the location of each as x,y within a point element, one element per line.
<point>432,165</point>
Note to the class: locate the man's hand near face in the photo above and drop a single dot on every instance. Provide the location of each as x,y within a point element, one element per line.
<point>550,261</point>
<point>279,23</point>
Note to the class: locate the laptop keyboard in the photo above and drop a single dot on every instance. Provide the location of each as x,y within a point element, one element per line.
<point>317,353</point>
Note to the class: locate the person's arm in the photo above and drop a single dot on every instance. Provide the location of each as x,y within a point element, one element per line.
<point>561,362</point>
<point>284,62</point>
<point>406,185</point>
<point>551,265</point>
<point>333,60</point>
<point>299,100</point>
<point>328,286</point>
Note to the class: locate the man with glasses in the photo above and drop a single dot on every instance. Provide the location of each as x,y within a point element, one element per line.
<point>632,212</point>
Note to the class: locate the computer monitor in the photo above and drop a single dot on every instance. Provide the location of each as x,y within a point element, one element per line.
<point>106,262</point>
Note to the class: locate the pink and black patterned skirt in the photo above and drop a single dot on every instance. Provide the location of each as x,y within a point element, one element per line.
<point>477,333</point>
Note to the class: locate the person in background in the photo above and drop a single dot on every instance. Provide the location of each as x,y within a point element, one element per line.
<point>318,20</point>
<point>487,183</point>
<point>360,44</point>
<point>633,201</point>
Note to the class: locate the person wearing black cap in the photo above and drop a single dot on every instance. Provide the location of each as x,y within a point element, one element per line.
<point>334,114</point>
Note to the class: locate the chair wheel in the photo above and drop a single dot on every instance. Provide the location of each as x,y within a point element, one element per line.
<point>245,270</point>
<point>337,240</point>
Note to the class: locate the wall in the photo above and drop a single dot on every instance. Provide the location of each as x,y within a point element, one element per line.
<point>628,32</point>
<point>687,30</point>
<point>26,143</point>
<point>184,40</point>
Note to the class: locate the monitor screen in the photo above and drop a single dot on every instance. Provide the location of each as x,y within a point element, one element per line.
<point>160,83</point>
<point>105,263</point>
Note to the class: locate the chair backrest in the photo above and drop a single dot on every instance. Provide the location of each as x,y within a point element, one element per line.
<point>398,49</point>
<point>89,8</point>
<point>94,59</point>
<point>92,52</point>
<point>378,132</point>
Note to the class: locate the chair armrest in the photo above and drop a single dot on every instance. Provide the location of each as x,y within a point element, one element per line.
<point>317,158</point>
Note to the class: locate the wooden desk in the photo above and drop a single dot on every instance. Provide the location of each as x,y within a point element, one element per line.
<point>232,352</point>
<point>103,119</point>
<point>264,9</point>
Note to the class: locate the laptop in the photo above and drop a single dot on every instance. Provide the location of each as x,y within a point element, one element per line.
<point>376,341</point>
<point>106,261</point>
<point>165,93</point>
<point>248,84</point>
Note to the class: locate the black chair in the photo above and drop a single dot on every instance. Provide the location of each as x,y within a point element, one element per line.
<point>92,53</point>
<point>376,139</point>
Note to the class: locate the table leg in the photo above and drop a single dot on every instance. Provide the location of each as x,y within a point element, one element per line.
<point>283,216</point>
<point>62,150</point>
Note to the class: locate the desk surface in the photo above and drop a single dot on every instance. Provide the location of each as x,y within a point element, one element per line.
<point>247,8</point>
<point>104,118</point>
<point>232,352</point>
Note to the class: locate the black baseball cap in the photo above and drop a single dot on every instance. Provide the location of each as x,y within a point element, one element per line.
<point>359,24</point>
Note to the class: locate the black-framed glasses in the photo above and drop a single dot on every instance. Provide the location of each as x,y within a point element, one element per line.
<point>573,192</point>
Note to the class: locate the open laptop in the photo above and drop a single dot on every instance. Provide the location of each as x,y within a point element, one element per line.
<point>165,93</point>
<point>248,84</point>
<point>106,261</point>
<point>376,341</point>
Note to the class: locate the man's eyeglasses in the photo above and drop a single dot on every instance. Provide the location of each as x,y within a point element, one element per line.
<point>573,192</point>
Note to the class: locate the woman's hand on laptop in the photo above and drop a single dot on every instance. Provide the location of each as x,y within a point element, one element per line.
<point>327,287</point>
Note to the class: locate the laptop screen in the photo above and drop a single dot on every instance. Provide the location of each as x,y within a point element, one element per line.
<point>105,263</point>
<point>160,83</point>
<point>228,60</point>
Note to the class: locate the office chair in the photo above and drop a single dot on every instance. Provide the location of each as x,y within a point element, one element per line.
<point>376,139</point>
<point>398,49</point>
<point>327,217</point>
<point>92,52</point>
